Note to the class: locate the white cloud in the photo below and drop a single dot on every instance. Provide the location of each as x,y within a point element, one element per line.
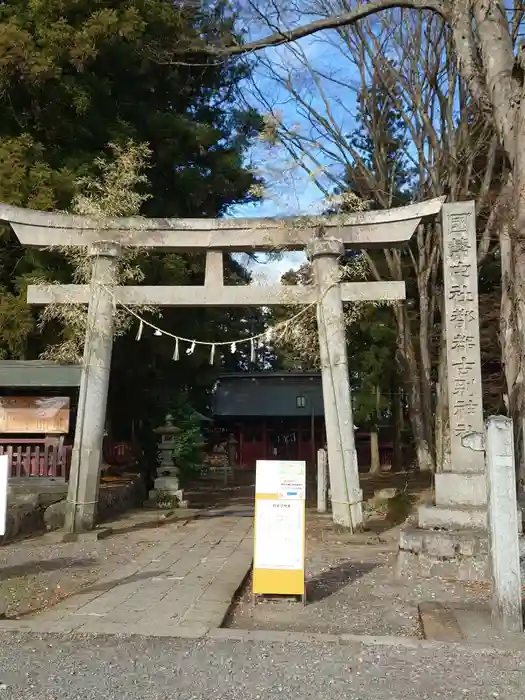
<point>271,272</point>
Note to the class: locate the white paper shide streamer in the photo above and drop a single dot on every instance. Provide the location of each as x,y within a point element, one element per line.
<point>256,341</point>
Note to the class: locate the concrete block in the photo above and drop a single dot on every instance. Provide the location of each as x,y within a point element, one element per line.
<point>168,484</point>
<point>460,489</point>
<point>447,569</point>
<point>452,518</point>
<point>482,546</point>
<point>459,555</point>
<point>425,563</point>
<point>440,545</point>
<point>45,490</point>
<point>411,539</point>
<point>407,564</point>
<point>467,547</point>
<point>471,543</point>
<point>474,568</point>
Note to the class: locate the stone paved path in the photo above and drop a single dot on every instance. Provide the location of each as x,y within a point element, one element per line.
<point>186,584</point>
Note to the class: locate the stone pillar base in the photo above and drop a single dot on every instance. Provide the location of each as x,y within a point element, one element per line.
<point>169,487</point>
<point>450,538</point>
<point>462,555</point>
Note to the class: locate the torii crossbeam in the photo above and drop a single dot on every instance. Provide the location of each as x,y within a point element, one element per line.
<point>326,239</point>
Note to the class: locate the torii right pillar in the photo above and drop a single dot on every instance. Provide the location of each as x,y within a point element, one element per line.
<point>451,537</point>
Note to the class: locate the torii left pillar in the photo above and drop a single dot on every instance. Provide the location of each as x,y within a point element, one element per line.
<point>347,497</point>
<point>82,498</point>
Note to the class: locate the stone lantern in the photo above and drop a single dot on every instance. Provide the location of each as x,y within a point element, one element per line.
<point>167,481</point>
<point>232,444</point>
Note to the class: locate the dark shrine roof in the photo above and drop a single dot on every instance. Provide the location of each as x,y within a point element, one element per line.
<point>38,374</point>
<point>269,394</point>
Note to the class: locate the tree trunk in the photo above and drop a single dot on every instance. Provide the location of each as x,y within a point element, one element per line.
<point>507,97</point>
<point>397,424</point>
<point>426,362</point>
<point>513,345</point>
<point>510,345</point>
<point>375,461</point>
<point>514,287</point>
<point>424,458</point>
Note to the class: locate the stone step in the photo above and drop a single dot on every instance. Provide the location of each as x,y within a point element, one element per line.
<point>459,554</point>
<point>461,489</point>
<point>452,518</point>
<point>444,543</point>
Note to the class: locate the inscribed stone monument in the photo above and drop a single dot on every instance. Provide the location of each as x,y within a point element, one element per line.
<point>462,333</point>
<point>451,536</point>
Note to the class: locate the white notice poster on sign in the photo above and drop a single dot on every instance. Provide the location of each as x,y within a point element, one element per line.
<point>267,476</point>
<point>285,478</point>
<point>292,480</point>
<point>279,534</point>
<point>4,480</point>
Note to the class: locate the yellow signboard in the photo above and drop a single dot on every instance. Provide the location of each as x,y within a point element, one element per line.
<point>279,541</point>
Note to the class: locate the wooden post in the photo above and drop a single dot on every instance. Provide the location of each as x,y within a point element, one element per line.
<point>347,509</point>
<point>313,451</point>
<point>91,415</point>
<point>503,525</point>
<point>322,486</point>
<point>4,488</point>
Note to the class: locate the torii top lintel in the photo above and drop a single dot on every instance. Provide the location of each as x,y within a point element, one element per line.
<point>368,229</point>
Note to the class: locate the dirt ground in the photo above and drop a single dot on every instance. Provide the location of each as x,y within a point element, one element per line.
<point>350,579</point>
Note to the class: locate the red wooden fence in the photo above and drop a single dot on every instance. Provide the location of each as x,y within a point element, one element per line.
<point>37,457</point>
<point>51,458</point>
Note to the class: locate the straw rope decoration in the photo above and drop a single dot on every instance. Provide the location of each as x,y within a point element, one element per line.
<point>274,332</point>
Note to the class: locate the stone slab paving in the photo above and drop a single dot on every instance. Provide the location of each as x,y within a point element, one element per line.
<point>186,583</point>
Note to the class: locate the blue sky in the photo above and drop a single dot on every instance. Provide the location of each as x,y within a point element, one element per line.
<point>291,191</point>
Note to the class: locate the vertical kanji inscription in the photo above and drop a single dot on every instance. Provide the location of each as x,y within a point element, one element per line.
<point>462,331</point>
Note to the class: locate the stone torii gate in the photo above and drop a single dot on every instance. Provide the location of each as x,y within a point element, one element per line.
<point>325,240</point>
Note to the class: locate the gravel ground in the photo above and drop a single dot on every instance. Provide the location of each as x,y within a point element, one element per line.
<point>60,668</point>
<point>38,572</point>
<point>352,589</point>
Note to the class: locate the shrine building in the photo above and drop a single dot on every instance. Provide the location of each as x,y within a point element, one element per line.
<point>279,415</point>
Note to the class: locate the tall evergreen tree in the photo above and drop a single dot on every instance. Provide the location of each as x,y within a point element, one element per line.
<point>78,75</point>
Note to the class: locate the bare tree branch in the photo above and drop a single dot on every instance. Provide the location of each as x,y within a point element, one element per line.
<point>360,12</point>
